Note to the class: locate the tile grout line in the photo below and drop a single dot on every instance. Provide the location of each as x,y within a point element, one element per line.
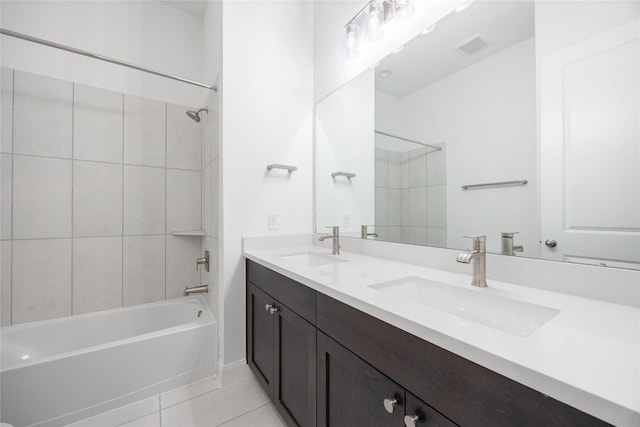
<point>242,415</point>
<point>13,119</point>
<point>122,213</point>
<point>73,111</point>
<point>166,198</point>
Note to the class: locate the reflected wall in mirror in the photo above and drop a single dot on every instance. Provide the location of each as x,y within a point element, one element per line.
<point>543,97</point>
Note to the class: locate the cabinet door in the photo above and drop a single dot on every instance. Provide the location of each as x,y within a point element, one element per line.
<point>295,368</point>
<point>353,393</point>
<point>260,336</point>
<point>420,414</point>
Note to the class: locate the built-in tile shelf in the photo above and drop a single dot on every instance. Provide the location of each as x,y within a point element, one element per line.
<point>188,233</point>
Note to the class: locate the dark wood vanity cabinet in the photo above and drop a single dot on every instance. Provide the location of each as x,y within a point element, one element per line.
<point>315,346</point>
<point>281,346</point>
<point>353,393</point>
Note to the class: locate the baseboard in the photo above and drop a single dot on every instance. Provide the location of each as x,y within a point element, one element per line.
<point>234,372</point>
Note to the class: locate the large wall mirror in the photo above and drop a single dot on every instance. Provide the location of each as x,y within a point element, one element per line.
<point>514,119</point>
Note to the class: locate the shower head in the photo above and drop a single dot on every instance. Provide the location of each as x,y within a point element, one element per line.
<point>195,115</point>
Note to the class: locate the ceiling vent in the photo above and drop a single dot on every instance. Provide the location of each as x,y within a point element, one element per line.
<point>472,45</point>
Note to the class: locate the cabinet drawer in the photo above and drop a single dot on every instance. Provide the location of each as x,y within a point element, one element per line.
<point>465,392</point>
<point>294,295</point>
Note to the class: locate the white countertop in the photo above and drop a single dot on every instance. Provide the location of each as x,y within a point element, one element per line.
<point>587,356</point>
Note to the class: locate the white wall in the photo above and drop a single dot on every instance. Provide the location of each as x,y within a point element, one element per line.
<point>345,142</point>
<point>146,33</point>
<point>267,104</point>
<point>486,114</point>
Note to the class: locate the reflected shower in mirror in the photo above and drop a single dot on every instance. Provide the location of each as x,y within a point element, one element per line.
<point>511,118</point>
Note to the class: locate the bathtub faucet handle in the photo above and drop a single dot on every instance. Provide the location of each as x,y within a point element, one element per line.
<point>204,260</point>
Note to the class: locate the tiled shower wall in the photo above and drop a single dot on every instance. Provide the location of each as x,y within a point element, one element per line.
<point>93,182</point>
<point>411,196</point>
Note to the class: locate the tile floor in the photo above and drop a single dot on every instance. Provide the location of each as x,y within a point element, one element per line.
<point>242,404</point>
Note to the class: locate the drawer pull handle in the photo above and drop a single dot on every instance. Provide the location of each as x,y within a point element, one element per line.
<point>390,405</point>
<point>411,420</point>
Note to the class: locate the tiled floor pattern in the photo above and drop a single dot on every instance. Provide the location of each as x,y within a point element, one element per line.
<point>242,404</point>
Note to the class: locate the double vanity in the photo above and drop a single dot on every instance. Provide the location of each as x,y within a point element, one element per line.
<point>350,339</point>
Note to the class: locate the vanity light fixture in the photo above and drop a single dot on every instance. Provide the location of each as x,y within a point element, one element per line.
<point>352,40</point>
<point>370,21</point>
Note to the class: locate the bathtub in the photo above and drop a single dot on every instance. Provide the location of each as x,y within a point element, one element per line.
<point>55,372</point>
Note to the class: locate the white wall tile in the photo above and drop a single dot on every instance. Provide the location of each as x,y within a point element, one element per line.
<point>437,167</point>
<point>144,200</point>
<point>5,200</point>
<point>381,206</point>
<point>394,170</point>
<point>41,197</point>
<point>381,168</point>
<point>5,282</point>
<point>418,235</point>
<point>97,274</point>
<point>181,264</point>
<point>404,170</point>
<point>405,207</point>
<point>41,279</point>
<point>437,237</point>
<point>395,205</point>
<point>97,124</point>
<point>144,131</point>
<point>6,107</point>
<point>437,206</point>
<point>184,138</point>
<point>418,168</point>
<point>97,199</point>
<point>42,115</point>
<point>143,269</point>
<point>418,207</point>
<point>184,200</point>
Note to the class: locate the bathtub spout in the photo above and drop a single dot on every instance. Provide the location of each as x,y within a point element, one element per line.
<point>196,290</point>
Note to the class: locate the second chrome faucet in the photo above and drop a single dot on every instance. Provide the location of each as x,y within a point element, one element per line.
<point>477,254</point>
<point>335,235</point>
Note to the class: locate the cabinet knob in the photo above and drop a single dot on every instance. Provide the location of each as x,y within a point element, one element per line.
<point>274,309</point>
<point>411,420</point>
<point>390,405</point>
<point>268,307</point>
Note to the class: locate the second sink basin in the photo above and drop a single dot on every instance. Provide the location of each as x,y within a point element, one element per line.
<point>312,259</point>
<point>505,314</point>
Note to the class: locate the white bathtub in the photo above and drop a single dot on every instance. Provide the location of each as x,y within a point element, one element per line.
<point>59,371</point>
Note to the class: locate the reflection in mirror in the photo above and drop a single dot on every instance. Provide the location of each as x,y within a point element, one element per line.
<point>539,99</point>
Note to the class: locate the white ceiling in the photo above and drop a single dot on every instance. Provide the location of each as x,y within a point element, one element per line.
<point>431,57</point>
<point>192,7</point>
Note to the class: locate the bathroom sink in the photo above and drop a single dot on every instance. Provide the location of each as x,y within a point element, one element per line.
<point>505,314</point>
<point>312,259</point>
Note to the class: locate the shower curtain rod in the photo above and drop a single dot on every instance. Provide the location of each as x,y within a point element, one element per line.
<point>26,37</point>
<point>408,140</point>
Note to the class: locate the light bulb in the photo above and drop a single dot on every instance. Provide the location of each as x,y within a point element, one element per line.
<point>464,5</point>
<point>403,8</point>
<point>351,40</point>
<point>375,20</point>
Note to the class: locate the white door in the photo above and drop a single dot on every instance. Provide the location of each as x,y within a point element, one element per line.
<point>590,150</point>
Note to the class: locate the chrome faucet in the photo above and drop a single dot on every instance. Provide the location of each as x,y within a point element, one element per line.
<point>479,258</point>
<point>204,261</point>
<point>195,290</point>
<point>364,233</point>
<point>335,235</point>
<point>507,244</point>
